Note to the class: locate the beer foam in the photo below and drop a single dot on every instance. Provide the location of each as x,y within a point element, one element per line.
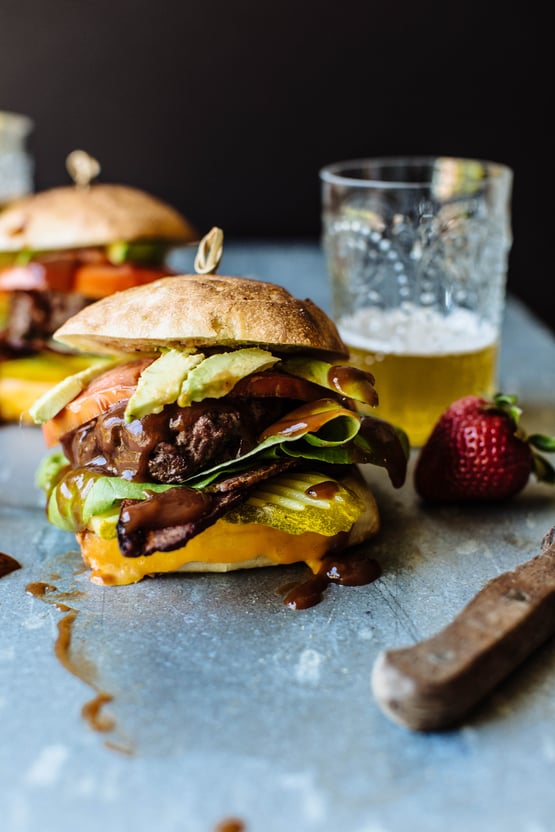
<point>413,330</point>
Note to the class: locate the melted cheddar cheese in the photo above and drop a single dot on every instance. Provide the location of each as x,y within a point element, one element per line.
<point>242,546</point>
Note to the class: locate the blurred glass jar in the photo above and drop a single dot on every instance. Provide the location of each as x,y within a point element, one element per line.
<point>16,163</point>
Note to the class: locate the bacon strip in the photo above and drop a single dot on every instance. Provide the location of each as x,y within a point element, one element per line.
<point>169,519</point>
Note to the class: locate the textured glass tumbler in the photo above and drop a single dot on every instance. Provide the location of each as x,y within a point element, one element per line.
<point>417,251</point>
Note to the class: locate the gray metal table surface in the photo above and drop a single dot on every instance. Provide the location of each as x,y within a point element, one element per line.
<point>222,703</point>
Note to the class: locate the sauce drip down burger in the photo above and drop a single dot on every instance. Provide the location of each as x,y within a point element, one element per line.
<point>225,431</point>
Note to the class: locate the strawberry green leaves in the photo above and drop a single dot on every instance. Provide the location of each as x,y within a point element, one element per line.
<point>478,450</point>
<point>541,467</point>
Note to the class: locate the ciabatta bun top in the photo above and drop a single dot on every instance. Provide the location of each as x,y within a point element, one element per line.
<point>202,311</point>
<point>74,217</point>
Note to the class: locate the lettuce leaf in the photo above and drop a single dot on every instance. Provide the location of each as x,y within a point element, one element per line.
<point>323,424</point>
<point>321,431</point>
<point>284,503</point>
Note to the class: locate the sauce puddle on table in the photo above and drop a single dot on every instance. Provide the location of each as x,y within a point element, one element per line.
<point>349,568</point>
<point>77,664</point>
<point>231,825</point>
<point>8,564</point>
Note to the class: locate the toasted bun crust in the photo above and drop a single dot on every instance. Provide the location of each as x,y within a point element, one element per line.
<point>251,545</point>
<point>202,311</point>
<point>72,217</point>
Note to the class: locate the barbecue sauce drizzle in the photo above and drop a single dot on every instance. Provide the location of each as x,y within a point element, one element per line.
<point>349,568</point>
<point>92,710</point>
<point>8,564</point>
<point>230,825</point>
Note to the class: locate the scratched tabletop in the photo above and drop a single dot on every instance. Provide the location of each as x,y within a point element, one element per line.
<point>194,703</point>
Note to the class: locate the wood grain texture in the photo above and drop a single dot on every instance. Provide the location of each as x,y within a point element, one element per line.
<point>433,684</point>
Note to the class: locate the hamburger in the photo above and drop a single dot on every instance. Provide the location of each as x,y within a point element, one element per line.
<point>224,431</point>
<point>60,250</point>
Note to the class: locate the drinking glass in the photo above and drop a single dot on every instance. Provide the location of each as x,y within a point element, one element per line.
<point>417,251</point>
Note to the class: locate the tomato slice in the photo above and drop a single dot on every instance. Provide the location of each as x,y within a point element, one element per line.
<point>273,383</point>
<point>119,383</point>
<point>115,385</point>
<point>85,270</point>
<point>37,275</point>
<point>96,280</point>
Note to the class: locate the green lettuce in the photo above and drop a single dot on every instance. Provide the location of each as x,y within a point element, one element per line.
<point>339,437</point>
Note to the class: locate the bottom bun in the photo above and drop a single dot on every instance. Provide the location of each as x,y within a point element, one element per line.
<point>227,546</point>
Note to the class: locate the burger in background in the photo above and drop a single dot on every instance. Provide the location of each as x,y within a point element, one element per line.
<point>60,250</point>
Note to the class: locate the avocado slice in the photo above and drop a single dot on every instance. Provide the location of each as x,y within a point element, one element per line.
<point>219,373</point>
<point>56,398</point>
<point>187,377</point>
<point>160,383</point>
<point>142,252</point>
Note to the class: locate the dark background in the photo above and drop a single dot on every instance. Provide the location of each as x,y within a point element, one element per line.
<point>228,109</point>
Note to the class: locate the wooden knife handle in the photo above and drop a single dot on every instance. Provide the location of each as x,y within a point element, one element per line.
<point>434,683</point>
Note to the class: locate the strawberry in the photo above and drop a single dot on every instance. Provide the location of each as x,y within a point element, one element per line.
<point>477,451</point>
